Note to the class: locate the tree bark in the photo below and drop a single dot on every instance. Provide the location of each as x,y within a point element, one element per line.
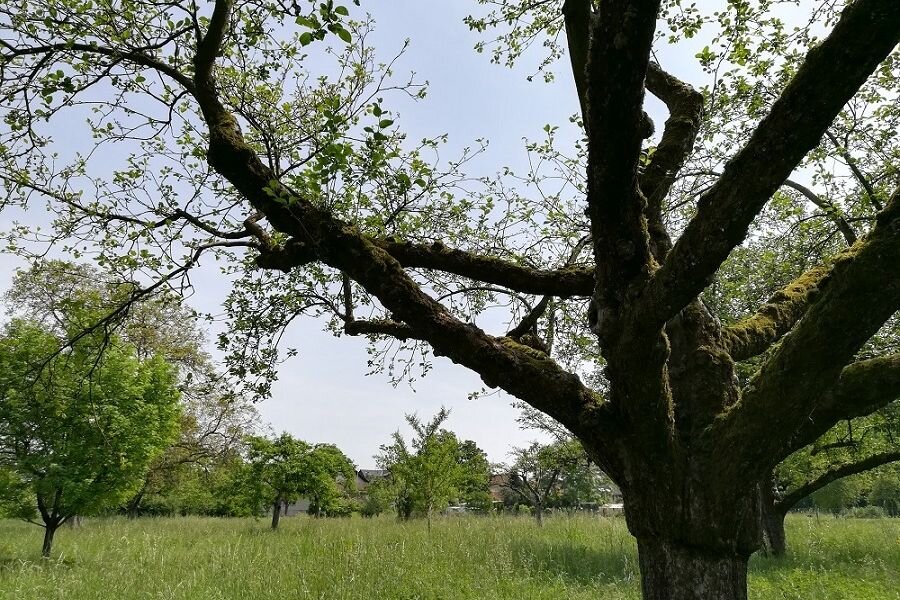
<point>773,531</point>
<point>670,571</point>
<point>49,532</point>
<point>276,514</point>
<point>539,514</point>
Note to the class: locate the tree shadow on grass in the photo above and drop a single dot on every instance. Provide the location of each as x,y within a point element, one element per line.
<point>575,562</point>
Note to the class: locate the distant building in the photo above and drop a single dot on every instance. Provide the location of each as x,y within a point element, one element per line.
<point>366,477</point>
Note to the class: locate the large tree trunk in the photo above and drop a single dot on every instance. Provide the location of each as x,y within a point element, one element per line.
<point>673,572</point>
<point>539,514</point>
<point>49,532</point>
<point>695,540</point>
<point>276,514</point>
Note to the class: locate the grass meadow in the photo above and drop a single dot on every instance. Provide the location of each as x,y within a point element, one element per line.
<point>381,559</point>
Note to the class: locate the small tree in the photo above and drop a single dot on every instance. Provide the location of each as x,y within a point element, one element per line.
<point>474,485</point>
<point>79,424</point>
<point>285,469</point>
<point>427,473</point>
<point>886,492</point>
<point>537,472</point>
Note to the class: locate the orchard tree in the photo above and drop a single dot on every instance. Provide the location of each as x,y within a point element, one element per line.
<point>215,416</point>
<point>473,490</point>
<point>285,469</point>
<point>228,141</point>
<point>79,424</point>
<point>886,491</point>
<point>427,472</point>
<point>537,473</point>
<point>851,448</point>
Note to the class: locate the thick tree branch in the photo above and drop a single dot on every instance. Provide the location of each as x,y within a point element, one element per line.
<point>564,283</point>
<point>803,389</point>
<point>621,38</point>
<point>756,334</point>
<point>876,460</point>
<point>317,235</point>
<point>577,17</point>
<point>864,387</point>
<point>831,74</point>
<point>209,46</point>
<point>685,106</point>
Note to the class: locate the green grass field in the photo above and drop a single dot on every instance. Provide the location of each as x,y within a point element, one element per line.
<point>381,559</point>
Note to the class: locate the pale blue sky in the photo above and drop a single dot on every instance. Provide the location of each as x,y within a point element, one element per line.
<point>323,395</point>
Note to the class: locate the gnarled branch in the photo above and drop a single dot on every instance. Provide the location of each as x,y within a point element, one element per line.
<point>831,74</point>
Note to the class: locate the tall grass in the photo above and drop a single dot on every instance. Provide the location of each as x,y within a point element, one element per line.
<point>381,559</point>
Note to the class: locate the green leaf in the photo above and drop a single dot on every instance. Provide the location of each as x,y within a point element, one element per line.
<point>385,123</point>
<point>342,10</point>
<point>344,35</point>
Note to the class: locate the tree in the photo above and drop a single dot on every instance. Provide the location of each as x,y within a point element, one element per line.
<point>338,217</point>
<point>820,470</point>
<point>426,473</point>
<point>886,492</point>
<point>286,469</point>
<point>215,415</point>
<point>333,481</point>
<point>79,425</point>
<point>474,487</point>
<point>537,472</point>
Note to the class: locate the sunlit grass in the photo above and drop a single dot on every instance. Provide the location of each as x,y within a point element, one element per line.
<point>381,559</point>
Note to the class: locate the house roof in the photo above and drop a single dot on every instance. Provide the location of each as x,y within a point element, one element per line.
<point>369,475</point>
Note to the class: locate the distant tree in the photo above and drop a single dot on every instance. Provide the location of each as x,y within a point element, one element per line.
<point>886,492</point>
<point>285,469</point>
<point>475,477</point>
<point>537,471</point>
<point>426,473</point>
<point>379,497</point>
<point>214,414</point>
<point>830,470</point>
<point>79,423</point>
<point>331,483</point>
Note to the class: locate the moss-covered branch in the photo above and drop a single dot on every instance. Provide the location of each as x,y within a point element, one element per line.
<point>685,106</point>
<point>756,334</point>
<point>804,388</point>
<point>831,74</point>
<point>619,50</point>
<point>564,283</point>
<point>317,235</point>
